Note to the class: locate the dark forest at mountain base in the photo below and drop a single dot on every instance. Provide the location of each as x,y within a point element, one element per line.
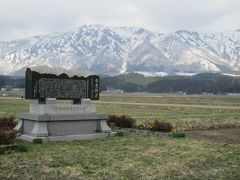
<point>9,82</point>
<point>200,83</point>
<point>133,82</point>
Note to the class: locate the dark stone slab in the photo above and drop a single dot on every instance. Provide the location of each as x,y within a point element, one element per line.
<point>41,86</point>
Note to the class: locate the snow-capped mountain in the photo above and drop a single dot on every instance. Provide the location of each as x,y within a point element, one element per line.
<point>115,50</point>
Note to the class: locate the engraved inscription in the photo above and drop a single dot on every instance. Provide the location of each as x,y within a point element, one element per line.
<point>61,88</point>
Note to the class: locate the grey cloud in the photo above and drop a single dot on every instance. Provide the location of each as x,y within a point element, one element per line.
<point>19,19</point>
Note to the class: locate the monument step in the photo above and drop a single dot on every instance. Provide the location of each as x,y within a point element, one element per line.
<point>28,137</point>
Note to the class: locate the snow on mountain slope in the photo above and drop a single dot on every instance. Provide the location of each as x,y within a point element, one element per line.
<point>115,50</point>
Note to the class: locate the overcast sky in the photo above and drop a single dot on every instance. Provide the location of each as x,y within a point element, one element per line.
<point>24,18</point>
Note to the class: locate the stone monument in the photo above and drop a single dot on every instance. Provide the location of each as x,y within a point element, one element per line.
<point>51,121</point>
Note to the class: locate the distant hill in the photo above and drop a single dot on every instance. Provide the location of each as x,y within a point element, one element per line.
<point>200,83</point>
<point>133,82</point>
<point>13,81</point>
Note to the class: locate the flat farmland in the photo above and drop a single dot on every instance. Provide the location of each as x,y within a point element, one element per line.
<point>185,112</point>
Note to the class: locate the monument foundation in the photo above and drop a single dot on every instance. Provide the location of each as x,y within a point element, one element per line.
<point>61,122</point>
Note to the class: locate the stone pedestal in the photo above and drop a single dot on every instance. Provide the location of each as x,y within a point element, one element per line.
<point>62,122</point>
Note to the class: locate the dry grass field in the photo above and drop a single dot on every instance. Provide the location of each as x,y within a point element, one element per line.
<point>186,112</point>
<point>138,157</point>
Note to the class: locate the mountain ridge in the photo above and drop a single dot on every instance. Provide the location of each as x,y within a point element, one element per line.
<point>116,50</point>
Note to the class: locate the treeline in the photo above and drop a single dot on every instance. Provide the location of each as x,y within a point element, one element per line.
<point>133,82</point>
<point>11,81</point>
<point>201,83</point>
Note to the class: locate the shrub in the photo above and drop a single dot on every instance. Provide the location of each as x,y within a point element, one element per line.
<point>125,121</point>
<point>178,135</point>
<point>121,121</point>
<point>7,132</point>
<point>112,120</point>
<point>120,134</point>
<point>21,148</point>
<point>150,125</point>
<point>7,122</point>
<point>139,126</point>
<point>37,141</point>
<point>7,136</point>
<point>163,126</point>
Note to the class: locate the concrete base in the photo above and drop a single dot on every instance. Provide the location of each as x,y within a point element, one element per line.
<point>53,108</point>
<point>28,137</point>
<point>60,122</point>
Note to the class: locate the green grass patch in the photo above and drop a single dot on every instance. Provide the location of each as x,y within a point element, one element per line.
<point>21,148</point>
<point>2,150</point>
<point>37,141</point>
<point>120,133</point>
<point>178,134</point>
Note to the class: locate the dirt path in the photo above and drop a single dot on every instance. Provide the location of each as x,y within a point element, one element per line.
<point>156,104</point>
<point>169,105</point>
<point>228,136</point>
